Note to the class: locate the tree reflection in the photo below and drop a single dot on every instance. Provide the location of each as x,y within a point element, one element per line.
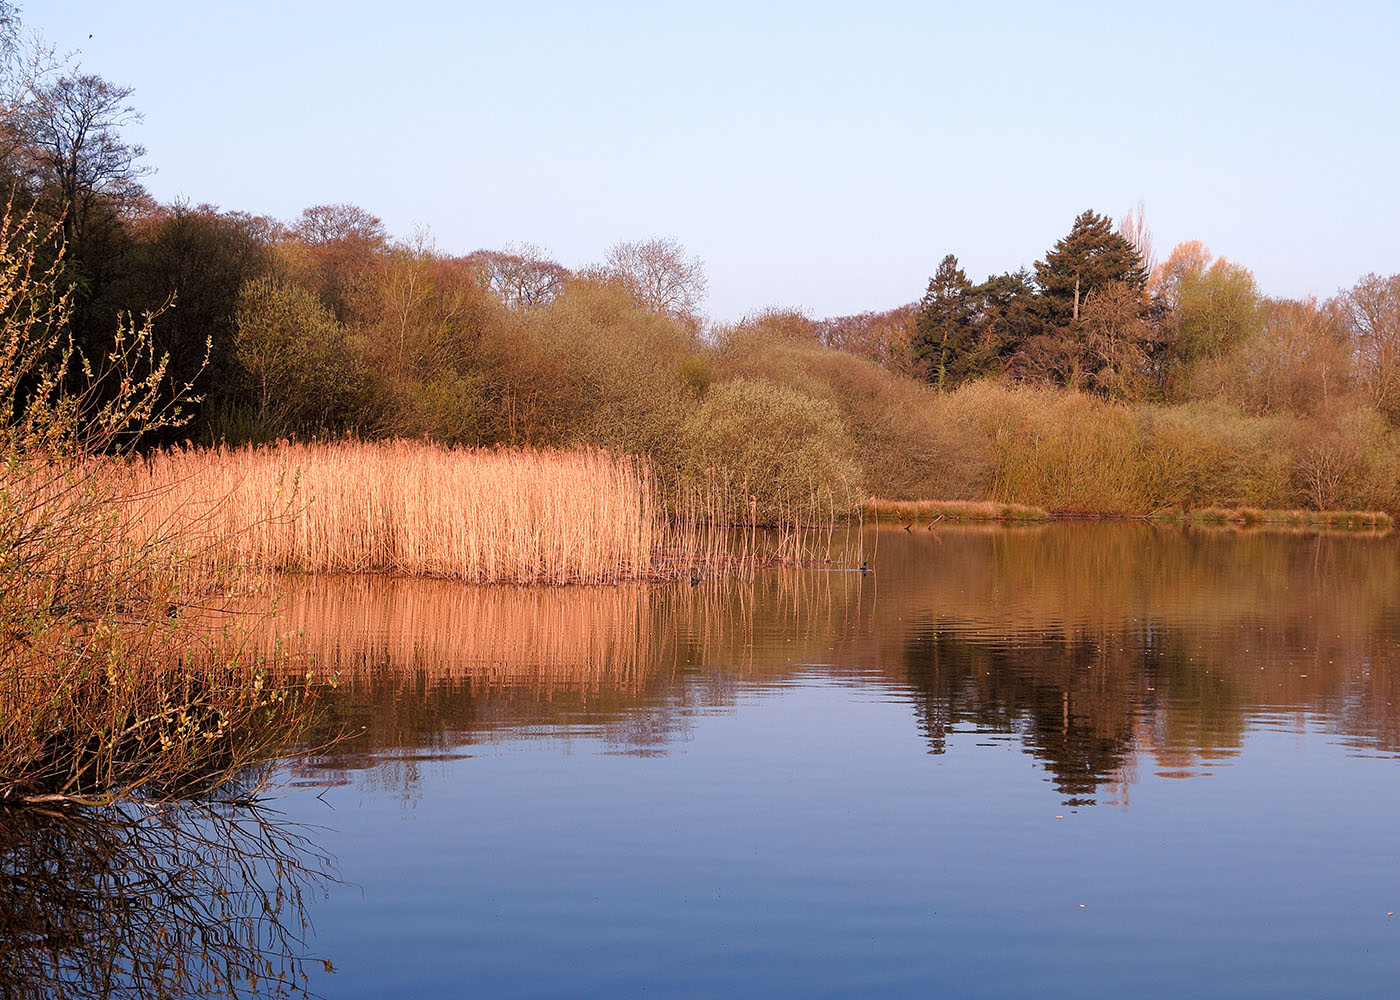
<point>1104,648</point>
<point>1072,705</point>
<point>149,901</point>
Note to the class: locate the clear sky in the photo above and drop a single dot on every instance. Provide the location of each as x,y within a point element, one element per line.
<point>814,155</point>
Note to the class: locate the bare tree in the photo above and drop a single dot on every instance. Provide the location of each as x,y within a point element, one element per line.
<point>522,274</point>
<point>1117,341</point>
<point>28,66</point>
<point>659,276</point>
<point>1370,313</point>
<point>1133,228</point>
<point>73,134</point>
<point>329,225</point>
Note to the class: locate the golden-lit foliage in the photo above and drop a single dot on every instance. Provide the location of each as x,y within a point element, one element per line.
<point>292,349</point>
<point>1295,360</point>
<point>1072,452</point>
<point>484,516</point>
<point>1212,307</point>
<point>508,347</point>
<point>109,684</point>
<point>888,417</point>
<point>777,446</point>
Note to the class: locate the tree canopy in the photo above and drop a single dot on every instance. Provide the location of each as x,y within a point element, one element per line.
<point>1088,258</point>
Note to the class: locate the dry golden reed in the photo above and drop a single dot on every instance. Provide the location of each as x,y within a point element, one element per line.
<point>509,516</point>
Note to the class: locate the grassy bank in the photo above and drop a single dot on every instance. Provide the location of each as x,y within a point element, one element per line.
<point>1350,520</point>
<point>932,512</point>
<point>951,510</point>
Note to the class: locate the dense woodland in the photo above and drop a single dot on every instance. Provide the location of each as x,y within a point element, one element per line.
<point>1096,379</point>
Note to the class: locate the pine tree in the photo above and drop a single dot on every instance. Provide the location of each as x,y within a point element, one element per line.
<point>1090,257</point>
<point>944,334</point>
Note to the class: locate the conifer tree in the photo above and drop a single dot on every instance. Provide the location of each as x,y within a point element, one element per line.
<point>944,333</point>
<point>1090,257</point>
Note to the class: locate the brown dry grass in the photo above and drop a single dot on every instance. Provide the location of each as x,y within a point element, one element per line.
<point>952,510</point>
<point>514,516</point>
<point>1373,520</point>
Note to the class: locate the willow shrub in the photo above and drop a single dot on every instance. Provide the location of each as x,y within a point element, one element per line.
<point>108,685</point>
<point>907,451</point>
<point>782,454</point>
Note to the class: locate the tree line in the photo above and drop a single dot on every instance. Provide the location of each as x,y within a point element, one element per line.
<point>327,325</point>
<point>1097,315</point>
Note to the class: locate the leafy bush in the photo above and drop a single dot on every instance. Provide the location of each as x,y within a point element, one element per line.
<point>786,455</point>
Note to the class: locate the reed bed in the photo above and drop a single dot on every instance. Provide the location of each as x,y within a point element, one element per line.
<point>952,510</point>
<point>517,516</point>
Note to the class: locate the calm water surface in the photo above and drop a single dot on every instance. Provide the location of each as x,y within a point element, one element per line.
<point>1067,760</point>
<point>1070,760</point>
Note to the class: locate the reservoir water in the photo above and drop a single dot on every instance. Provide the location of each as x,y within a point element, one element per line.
<point>1077,759</point>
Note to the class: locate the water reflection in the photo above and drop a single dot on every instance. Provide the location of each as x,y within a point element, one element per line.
<point>1112,647</point>
<point>1104,649</point>
<point>145,901</point>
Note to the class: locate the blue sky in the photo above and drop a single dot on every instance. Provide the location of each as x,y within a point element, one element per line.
<point>823,156</point>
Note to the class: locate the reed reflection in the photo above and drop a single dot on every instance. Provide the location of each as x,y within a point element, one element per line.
<point>423,669</point>
<point>153,902</point>
<point>1106,649</point>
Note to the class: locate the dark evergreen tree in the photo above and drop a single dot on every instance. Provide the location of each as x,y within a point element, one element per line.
<point>197,259</point>
<point>1090,257</point>
<point>1009,316</point>
<point>944,335</point>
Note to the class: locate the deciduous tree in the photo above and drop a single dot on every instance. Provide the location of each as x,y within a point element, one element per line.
<point>522,274</point>
<point>1370,312</point>
<point>1209,306</point>
<point>332,252</point>
<point>1118,342</point>
<point>295,356</point>
<point>659,276</point>
<point>76,150</point>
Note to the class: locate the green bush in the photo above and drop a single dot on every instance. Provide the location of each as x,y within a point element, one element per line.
<point>785,455</point>
<point>300,374</point>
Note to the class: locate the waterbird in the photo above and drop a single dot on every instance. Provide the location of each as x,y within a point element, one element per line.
<point>694,576</point>
<point>865,567</point>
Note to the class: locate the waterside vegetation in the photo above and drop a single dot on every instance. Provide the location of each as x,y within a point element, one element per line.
<point>112,682</point>
<point>1095,380</point>
<point>566,425</point>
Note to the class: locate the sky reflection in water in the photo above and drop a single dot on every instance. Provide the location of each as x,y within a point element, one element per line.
<point>1071,759</point>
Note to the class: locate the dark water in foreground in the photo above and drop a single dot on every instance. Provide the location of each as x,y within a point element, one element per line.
<point>1071,760</point>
